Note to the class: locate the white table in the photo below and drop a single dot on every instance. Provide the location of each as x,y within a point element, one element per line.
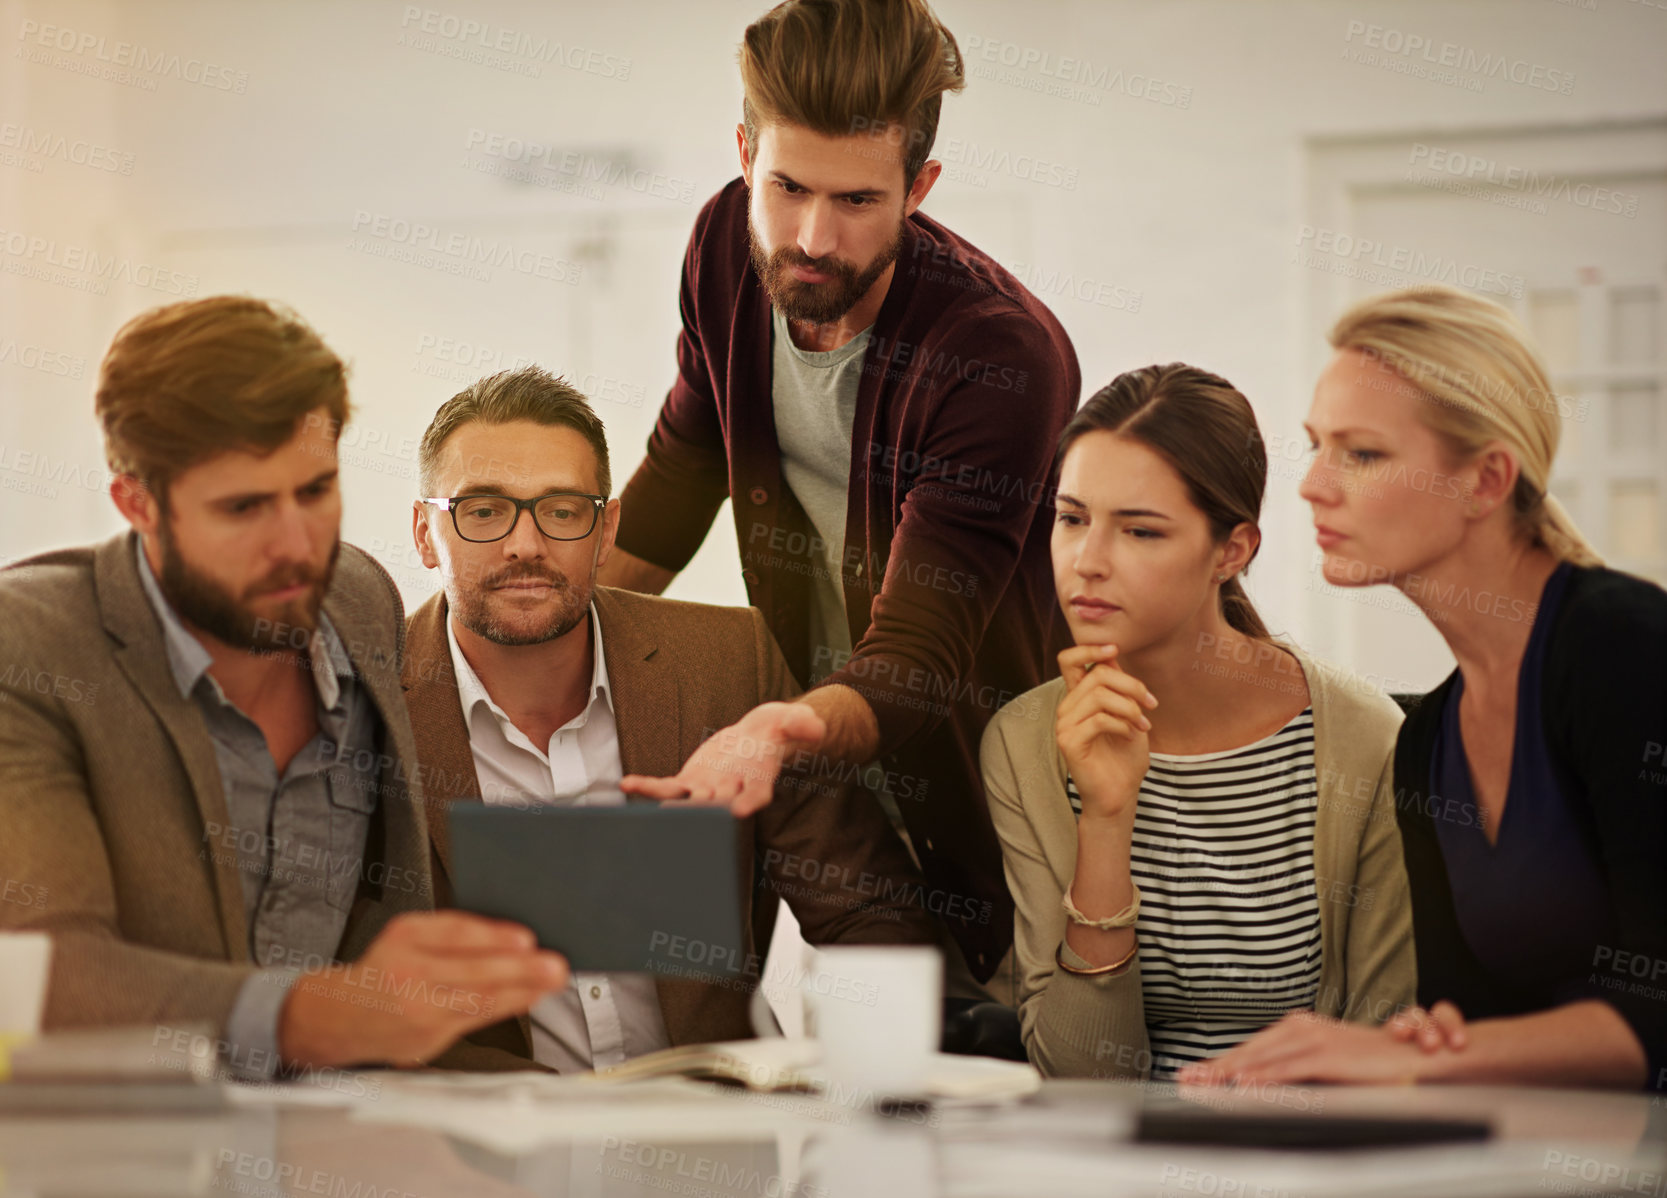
<point>1070,1139</point>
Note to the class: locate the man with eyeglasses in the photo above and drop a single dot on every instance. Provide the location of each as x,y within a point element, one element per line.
<point>529,684</point>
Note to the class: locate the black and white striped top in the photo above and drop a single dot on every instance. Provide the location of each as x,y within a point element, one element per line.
<point>1229,927</point>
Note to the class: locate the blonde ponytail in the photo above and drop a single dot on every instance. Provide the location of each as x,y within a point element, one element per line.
<point>1556,530</point>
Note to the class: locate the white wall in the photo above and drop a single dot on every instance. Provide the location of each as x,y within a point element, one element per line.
<point>1193,209</point>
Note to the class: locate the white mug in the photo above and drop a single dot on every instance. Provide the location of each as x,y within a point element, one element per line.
<point>878,1012</point>
<point>25,958</point>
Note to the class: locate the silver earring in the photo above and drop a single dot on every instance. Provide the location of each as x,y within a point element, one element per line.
<point>1221,578</point>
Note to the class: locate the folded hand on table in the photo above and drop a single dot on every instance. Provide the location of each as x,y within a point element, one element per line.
<point>1442,1026</point>
<point>1304,1046</point>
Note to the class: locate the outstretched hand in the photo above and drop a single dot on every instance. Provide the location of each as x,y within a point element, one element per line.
<point>737,766</point>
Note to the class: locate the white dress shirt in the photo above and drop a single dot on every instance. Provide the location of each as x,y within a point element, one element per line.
<point>601,1019</point>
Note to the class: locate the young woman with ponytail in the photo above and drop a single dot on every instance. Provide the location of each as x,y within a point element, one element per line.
<point>1195,818</point>
<point>1531,785</point>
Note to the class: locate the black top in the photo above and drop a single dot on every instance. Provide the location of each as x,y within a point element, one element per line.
<point>1595,676</point>
<point>1534,906</point>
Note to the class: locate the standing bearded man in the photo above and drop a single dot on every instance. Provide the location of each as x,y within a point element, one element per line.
<point>881,401</point>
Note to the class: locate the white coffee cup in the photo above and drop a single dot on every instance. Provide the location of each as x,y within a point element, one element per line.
<point>25,958</point>
<point>878,1012</point>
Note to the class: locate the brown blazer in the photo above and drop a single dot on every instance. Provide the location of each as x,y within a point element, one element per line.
<point>108,784</point>
<point>678,672</point>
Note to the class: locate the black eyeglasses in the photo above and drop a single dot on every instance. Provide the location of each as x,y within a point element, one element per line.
<point>560,515</point>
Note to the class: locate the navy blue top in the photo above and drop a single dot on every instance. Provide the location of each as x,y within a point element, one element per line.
<point>1534,906</point>
<point>1588,787</point>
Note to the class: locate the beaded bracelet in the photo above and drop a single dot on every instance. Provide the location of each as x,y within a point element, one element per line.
<point>1123,919</point>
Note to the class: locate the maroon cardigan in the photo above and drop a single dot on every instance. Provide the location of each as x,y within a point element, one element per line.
<point>967,382</point>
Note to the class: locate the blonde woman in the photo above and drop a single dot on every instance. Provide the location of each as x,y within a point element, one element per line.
<point>1194,818</point>
<point>1534,826</point>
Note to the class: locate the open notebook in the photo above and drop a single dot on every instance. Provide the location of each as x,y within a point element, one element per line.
<point>795,1065</point>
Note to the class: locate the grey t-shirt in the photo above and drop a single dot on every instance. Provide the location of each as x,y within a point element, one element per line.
<point>815,401</point>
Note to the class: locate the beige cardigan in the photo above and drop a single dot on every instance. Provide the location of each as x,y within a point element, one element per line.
<point>1077,1026</point>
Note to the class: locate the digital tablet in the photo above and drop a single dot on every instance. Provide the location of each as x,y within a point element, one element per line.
<point>1194,1125</point>
<point>630,888</point>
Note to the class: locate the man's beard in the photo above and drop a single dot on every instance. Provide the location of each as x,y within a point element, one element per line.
<point>818,303</point>
<point>204,603</point>
<point>472,607</point>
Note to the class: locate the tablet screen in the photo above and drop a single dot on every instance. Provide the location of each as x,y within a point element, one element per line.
<point>636,887</point>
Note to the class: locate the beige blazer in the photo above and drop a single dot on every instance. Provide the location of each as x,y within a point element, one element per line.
<point>109,789</point>
<point>677,673</point>
<point>1077,1026</point>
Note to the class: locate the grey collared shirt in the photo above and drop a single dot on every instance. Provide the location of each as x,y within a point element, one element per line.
<point>297,839</point>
